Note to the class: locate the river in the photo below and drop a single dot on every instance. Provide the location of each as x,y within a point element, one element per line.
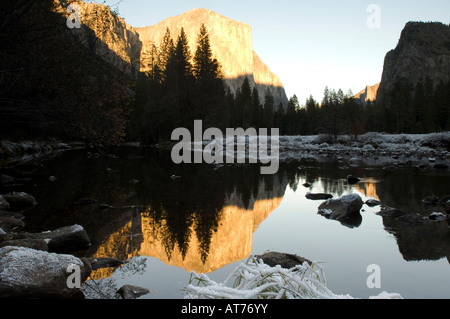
<point>170,220</point>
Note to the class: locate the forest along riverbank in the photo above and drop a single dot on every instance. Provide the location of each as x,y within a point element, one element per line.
<point>52,251</point>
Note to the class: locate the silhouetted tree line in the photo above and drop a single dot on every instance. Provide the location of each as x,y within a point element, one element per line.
<point>52,85</point>
<point>406,108</point>
<point>180,88</point>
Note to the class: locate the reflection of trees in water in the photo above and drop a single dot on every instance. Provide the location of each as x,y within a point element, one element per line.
<point>191,205</point>
<point>327,176</point>
<point>194,208</point>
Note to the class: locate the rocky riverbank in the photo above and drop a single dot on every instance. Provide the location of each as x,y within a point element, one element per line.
<point>371,149</point>
<point>41,265</point>
<point>19,151</point>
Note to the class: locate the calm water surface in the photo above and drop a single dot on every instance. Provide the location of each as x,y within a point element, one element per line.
<point>171,220</point>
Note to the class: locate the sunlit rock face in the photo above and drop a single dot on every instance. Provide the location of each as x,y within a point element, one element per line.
<point>231,43</point>
<point>368,94</point>
<point>127,48</point>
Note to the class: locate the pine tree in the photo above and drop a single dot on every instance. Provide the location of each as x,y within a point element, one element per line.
<point>178,85</point>
<point>167,49</point>
<point>256,109</point>
<point>268,109</point>
<point>290,123</point>
<point>205,67</point>
<point>312,110</point>
<point>210,94</point>
<point>245,102</point>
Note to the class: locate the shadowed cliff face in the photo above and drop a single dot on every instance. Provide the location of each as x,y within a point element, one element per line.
<point>422,51</point>
<point>104,33</point>
<point>231,43</point>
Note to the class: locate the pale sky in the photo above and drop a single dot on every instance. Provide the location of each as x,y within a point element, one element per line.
<point>309,44</point>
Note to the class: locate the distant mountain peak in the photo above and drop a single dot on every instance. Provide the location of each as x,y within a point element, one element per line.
<point>368,94</point>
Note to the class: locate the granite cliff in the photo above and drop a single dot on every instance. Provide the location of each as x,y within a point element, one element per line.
<point>368,94</point>
<point>126,47</point>
<point>422,51</point>
<point>231,43</point>
<point>106,34</point>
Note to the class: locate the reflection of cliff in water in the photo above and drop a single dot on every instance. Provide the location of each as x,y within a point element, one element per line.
<point>203,237</point>
<point>204,217</point>
<point>213,239</point>
<point>195,217</point>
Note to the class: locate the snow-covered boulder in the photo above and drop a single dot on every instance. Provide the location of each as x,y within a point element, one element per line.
<point>29,273</point>
<point>345,209</point>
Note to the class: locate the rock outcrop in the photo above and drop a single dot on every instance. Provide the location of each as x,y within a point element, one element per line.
<point>368,94</point>
<point>422,51</point>
<point>287,261</point>
<point>29,273</point>
<point>127,48</point>
<point>346,210</point>
<point>231,44</point>
<point>106,34</point>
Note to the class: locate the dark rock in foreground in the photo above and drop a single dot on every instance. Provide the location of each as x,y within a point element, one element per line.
<point>287,261</point>
<point>20,200</point>
<point>3,203</point>
<point>33,243</point>
<point>430,200</point>
<point>66,239</point>
<point>100,263</point>
<point>318,196</point>
<point>132,292</point>
<point>437,216</point>
<point>61,240</point>
<point>9,224</point>
<point>373,202</point>
<point>352,180</point>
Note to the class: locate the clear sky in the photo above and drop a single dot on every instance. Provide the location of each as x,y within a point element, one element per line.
<point>309,44</point>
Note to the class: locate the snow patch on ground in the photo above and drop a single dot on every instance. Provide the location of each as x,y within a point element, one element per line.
<point>369,142</point>
<point>256,280</point>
